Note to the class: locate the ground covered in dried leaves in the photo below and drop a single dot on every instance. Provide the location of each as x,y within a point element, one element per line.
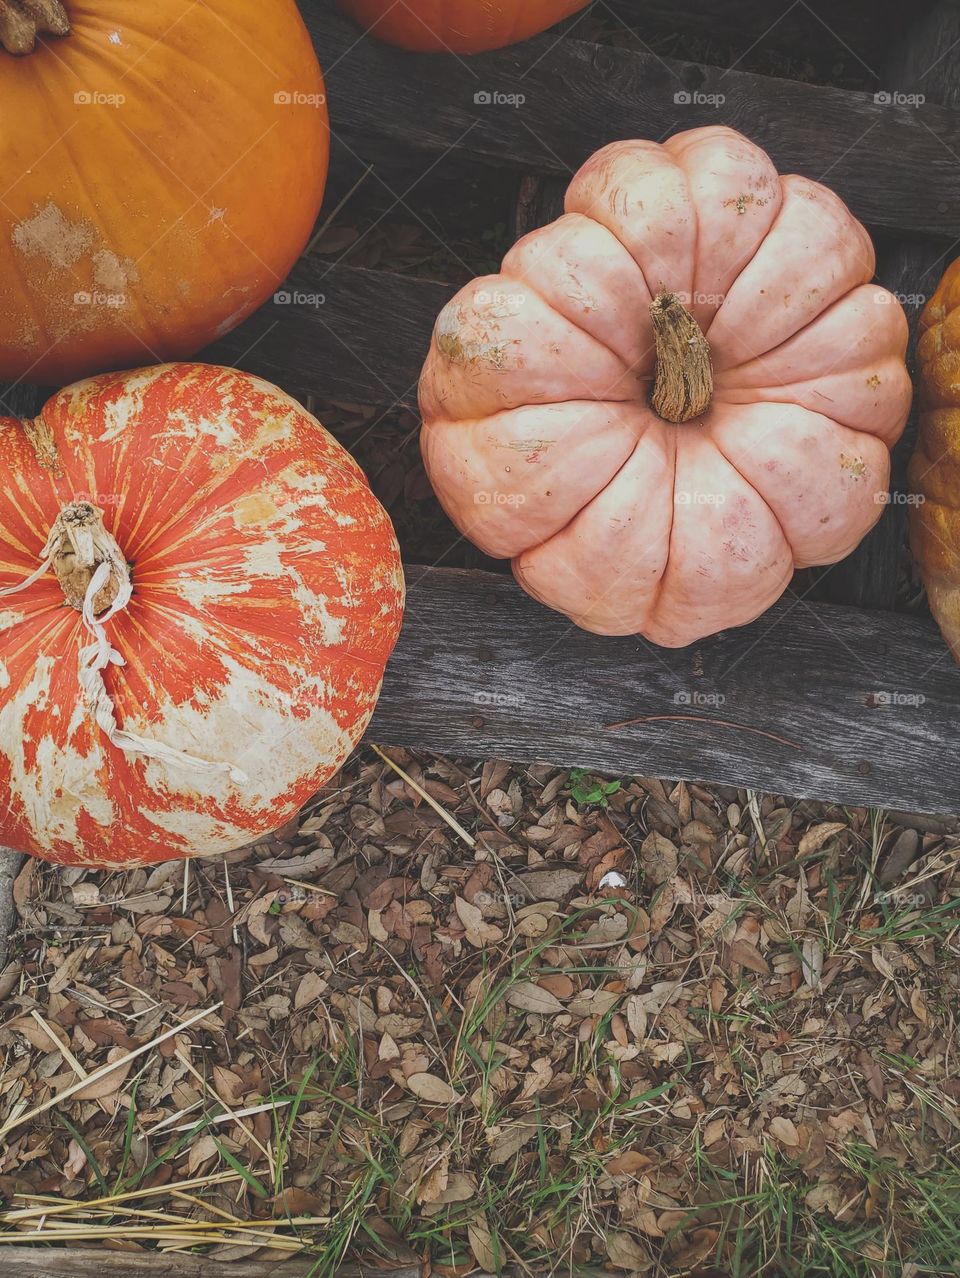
<point>442,1033</point>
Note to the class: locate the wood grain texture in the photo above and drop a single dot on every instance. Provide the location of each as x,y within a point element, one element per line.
<point>924,62</point>
<point>861,30</point>
<point>45,1262</point>
<point>364,342</point>
<point>578,96</point>
<point>812,701</point>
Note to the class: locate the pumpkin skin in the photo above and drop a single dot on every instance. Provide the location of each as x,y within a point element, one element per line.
<point>267,598</point>
<point>458,26</point>
<point>144,230</point>
<point>538,431</point>
<point>934,472</point>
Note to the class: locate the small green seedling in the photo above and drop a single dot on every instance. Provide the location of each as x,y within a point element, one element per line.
<point>585,788</point>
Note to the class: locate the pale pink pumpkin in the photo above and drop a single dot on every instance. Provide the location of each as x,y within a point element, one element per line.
<point>539,433</point>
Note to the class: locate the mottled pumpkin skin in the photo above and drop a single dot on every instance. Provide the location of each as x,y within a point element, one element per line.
<point>458,26</point>
<point>538,431</point>
<point>268,596</point>
<point>163,167</point>
<point>934,473</point>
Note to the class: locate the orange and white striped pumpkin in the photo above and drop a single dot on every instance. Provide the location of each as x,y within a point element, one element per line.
<point>199,596</point>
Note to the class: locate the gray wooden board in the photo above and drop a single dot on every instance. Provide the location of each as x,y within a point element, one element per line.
<point>813,701</point>
<point>364,342</point>
<point>894,164</point>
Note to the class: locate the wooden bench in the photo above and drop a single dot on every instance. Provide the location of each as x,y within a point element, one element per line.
<point>833,694</point>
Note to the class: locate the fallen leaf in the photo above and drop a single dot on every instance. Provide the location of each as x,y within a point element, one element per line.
<point>531,998</point>
<point>432,1089</point>
<point>658,857</point>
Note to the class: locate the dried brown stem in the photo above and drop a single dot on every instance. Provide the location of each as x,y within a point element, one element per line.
<point>684,379</point>
<point>21,21</point>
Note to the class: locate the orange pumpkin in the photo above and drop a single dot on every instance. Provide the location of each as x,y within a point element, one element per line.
<point>162,171</point>
<point>458,26</point>
<point>203,641</point>
<point>934,473</point>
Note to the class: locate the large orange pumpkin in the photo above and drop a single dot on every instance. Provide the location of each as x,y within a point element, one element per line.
<point>458,26</point>
<point>935,466</point>
<point>200,594</point>
<point>162,167</point>
<point>674,395</point>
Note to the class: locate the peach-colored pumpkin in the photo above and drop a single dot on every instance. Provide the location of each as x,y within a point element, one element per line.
<point>540,436</point>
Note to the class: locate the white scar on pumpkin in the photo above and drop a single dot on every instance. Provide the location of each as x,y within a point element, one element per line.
<point>64,782</point>
<point>279,734</point>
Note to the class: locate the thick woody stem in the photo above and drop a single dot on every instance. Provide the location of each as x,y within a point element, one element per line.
<point>78,544</point>
<point>683,388</point>
<point>21,21</point>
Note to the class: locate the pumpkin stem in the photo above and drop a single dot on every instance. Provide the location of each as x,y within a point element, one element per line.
<point>683,388</point>
<point>22,20</point>
<point>78,544</point>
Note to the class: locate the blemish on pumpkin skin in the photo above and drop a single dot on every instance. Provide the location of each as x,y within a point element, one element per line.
<point>51,235</point>
<point>255,509</point>
<point>854,466</point>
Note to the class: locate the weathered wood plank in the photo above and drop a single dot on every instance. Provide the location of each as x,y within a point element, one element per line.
<point>925,61</point>
<point>859,29</point>
<point>365,341</point>
<point>578,96</point>
<point>813,701</point>
<point>45,1262</point>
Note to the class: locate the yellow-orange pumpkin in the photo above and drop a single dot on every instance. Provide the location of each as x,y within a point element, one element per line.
<point>458,26</point>
<point>935,466</point>
<point>162,168</point>
<point>227,658</point>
